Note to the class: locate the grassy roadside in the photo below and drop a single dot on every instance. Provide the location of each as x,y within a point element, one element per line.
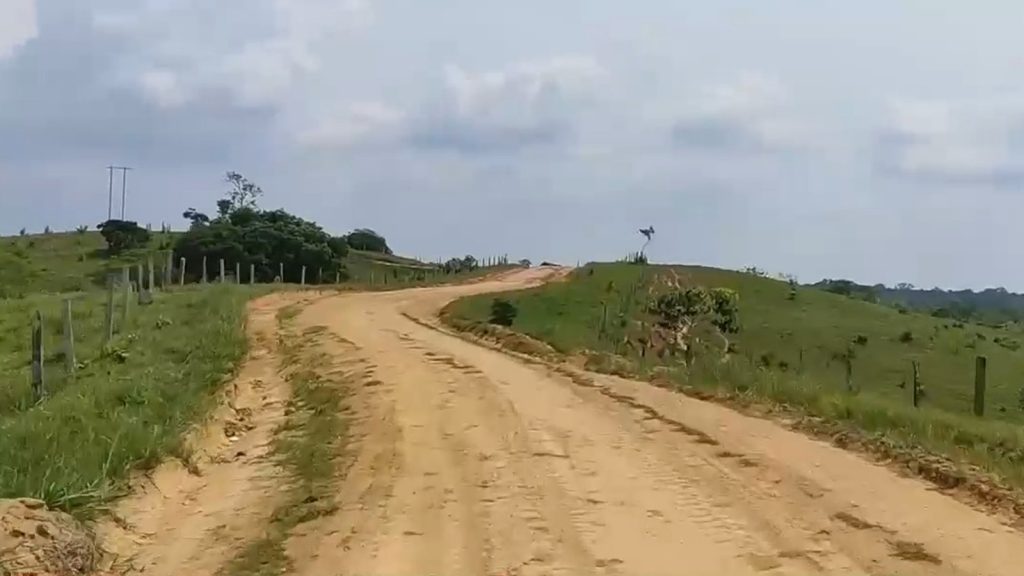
<point>307,445</point>
<point>124,410</point>
<point>941,440</point>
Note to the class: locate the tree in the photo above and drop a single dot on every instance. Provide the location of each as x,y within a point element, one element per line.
<point>339,245</point>
<point>243,194</point>
<point>123,235</point>
<point>195,217</point>
<point>368,240</point>
<point>681,313</point>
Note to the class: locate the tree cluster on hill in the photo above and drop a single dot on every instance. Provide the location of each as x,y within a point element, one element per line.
<point>242,233</point>
<point>368,240</point>
<point>122,235</point>
<point>991,306</point>
<point>464,264</point>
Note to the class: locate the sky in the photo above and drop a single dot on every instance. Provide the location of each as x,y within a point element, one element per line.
<point>877,141</point>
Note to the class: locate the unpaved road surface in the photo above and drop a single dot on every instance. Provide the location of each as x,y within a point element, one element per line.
<point>463,460</point>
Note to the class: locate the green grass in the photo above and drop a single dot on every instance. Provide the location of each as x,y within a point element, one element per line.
<point>66,261</point>
<point>307,445</point>
<point>776,331</point>
<point>126,408</point>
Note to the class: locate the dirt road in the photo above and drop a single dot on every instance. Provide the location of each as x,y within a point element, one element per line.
<point>466,461</point>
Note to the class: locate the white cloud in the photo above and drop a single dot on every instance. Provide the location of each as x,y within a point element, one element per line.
<point>17,25</point>
<point>207,51</point>
<point>358,124</point>
<point>751,112</point>
<point>522,105</point>
<point>966,141</point>
<point>162,87</point>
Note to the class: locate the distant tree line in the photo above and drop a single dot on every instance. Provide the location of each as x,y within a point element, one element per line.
<point>990,306</point>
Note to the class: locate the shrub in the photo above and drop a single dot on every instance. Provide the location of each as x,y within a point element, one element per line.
<point>861,340</point>
<point>1008,343</point>
<point>47,230</point>
<point>82,229</point>
<point>22,232</point>
<point>906,336</point>
<point>503,312</point>
<point>123,235</point>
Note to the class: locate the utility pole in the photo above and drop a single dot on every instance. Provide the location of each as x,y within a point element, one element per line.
<point>110,194</point>
<point>124,188</point>
<point>110,190</point>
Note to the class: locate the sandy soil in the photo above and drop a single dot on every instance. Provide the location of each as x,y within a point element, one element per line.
<point>465,460</point>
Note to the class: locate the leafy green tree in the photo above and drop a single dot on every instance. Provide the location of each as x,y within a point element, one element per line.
<point>368,240</point>
<point>123,235</point>
<point>682,313</point>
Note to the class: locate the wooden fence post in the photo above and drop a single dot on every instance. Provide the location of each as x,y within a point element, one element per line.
<point>169,270</point>
<point>138,276</point>
<point>302,281</point>
<point>337,277</point>
<point>204,270</point>
<point>252,274</point>
<point>848,364</point>
<point>917,384</point>
<point>280,271</point>
<point>320,275</point>
<point>109,328</point>
<point>127,280</point>
<point>238,272</point>
<point>69,339</point>
<point>980,375</point>
<point>151,286</point>
<point>221,270</point>
<point>181,279</point>
<point>38,382</point>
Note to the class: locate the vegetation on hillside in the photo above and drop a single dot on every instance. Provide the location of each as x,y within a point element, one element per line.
<point>844,359</point>
<point>127,406</point>
<point>62,262</point>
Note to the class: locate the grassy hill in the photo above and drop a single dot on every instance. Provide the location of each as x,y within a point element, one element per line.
<point>63,262</point>
<point>791,351</point>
